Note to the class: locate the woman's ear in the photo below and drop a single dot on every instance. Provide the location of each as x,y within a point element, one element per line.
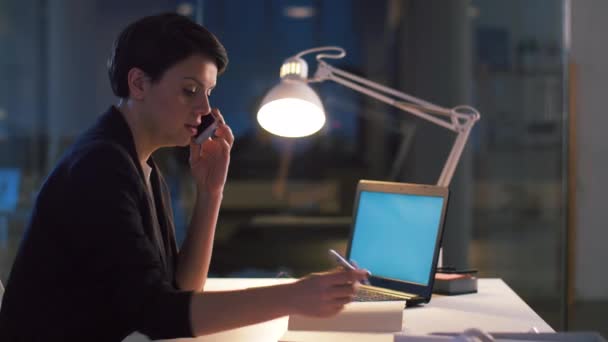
<point>137,81</point>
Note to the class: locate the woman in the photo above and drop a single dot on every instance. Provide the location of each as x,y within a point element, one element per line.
<point>99,259</point>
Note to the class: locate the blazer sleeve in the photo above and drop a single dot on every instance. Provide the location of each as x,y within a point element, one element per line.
<point>108,233</point>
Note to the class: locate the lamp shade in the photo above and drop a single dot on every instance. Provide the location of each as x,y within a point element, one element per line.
<point>291,109</point>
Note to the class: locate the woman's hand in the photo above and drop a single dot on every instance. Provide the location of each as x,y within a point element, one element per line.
<point>209,161</point>
<point>325,294</point>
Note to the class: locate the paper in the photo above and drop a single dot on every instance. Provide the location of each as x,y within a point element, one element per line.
<point>476,335</point>
<point>356,317</point>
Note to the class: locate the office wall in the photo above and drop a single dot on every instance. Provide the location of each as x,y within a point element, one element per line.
<point>71,83</point>
<point>20,63</point>
<point>539,18</point>
<point>436,66</point>
<point>80,37</point>
<point>589,51</point>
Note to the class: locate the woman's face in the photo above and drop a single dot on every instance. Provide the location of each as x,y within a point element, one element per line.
<point>176,103</point>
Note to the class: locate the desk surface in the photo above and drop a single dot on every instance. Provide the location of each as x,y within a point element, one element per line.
<point>494,308</point>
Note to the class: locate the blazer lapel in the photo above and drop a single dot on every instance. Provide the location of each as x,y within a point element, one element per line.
<point>114,125</point>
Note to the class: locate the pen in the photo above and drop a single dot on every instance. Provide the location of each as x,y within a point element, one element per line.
<point>343,262</point>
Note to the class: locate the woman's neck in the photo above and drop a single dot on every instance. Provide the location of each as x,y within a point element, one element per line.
<point>142,137</point>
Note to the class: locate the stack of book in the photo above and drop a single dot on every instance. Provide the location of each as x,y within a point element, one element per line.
<point>359,321</point>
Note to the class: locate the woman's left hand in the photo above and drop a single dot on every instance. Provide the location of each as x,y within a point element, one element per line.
<point>209,161</point>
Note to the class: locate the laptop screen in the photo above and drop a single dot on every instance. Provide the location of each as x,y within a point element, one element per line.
<point>395,234</point>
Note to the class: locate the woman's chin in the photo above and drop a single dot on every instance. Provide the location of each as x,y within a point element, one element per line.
<point>185,141</point>
<point>180,143</point>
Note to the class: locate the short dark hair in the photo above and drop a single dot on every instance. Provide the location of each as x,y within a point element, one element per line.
<point>156,43</point>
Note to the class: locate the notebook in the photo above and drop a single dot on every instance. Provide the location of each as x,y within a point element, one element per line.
<point>396,235</point>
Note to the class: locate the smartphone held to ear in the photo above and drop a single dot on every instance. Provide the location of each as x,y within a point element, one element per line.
<point>206,129</point>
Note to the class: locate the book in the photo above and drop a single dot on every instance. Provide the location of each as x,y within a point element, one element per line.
<point>335,336</point>
<point>356,317</point>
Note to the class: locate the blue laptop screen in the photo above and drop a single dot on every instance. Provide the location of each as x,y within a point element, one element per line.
<point>395,234</point>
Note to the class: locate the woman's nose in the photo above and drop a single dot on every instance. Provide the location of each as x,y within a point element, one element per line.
<point>204,107</point>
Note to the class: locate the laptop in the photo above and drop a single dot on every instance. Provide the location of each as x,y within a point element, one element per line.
<point>396,235</point>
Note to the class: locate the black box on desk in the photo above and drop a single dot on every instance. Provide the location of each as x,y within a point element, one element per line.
<point>454,284</point>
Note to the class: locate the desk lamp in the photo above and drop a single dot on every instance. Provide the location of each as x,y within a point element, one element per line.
<point>293,109</point>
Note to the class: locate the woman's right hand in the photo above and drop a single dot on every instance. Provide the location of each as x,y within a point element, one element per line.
<point>325,294</point>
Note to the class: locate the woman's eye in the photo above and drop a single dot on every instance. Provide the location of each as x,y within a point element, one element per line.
<point>190,91</point>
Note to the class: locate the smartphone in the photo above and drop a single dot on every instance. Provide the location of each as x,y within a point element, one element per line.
<point>206,129</point>
<point>451,270</point>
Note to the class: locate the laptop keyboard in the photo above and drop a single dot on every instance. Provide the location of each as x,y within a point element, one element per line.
<point>368,295</point>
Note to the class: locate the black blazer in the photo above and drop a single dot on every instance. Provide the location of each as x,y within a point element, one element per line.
<point>96,263</point>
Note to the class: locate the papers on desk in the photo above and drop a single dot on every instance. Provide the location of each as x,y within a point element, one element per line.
<point>326,336</point>
<point>478,335</point>
<point>359,321</point>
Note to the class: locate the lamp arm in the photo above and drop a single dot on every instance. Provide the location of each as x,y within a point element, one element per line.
<point>454,157</point>
<point>332,71</point>
<point>453,119</point>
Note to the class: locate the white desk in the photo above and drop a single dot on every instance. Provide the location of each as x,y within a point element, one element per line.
<point>495,308</point>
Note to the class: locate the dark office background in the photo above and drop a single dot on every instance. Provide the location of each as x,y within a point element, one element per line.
<point>287,201</point>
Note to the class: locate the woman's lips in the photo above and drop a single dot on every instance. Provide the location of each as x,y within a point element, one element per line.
<point>193,129</point>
